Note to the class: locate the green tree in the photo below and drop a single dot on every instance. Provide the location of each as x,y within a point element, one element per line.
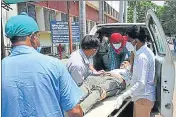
<point>167,15</point>
<point>141,10</point>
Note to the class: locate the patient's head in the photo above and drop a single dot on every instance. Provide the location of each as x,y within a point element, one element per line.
<point>125,65</point>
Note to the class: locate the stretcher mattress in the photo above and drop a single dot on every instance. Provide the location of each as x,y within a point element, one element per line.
<point>103,108</point>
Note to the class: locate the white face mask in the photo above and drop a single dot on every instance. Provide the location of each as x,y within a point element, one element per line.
<point>117,46</point>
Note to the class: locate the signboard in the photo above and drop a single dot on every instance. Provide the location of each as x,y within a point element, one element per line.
<point>60,32</point>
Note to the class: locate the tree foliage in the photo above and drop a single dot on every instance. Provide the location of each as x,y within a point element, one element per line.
<point>168,17</point>
<point>141,10</point>
<point>165,13</point>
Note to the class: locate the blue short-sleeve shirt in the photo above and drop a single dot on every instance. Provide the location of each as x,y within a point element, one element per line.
<point>35,85</point>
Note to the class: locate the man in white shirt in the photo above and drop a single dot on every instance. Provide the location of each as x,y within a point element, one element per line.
<point>142,88</point>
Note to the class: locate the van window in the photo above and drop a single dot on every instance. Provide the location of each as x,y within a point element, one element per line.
<point>158,39</point>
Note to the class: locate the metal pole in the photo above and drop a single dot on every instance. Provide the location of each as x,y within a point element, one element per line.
<point>121,11</point>
<point>2,42</point>
<point>134,13</point>
<point>69,26</point>
<point>125,10</point>
<point>82,18</point>
<point>101,12</point>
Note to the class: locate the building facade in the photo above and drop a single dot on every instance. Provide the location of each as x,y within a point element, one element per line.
<point>44,12</point>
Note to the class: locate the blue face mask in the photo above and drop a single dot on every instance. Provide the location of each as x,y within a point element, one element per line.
<point>39,49</point>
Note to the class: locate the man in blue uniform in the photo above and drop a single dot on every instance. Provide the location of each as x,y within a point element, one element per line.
<point>35,85</point>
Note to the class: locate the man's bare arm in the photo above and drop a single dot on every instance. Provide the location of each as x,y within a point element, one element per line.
<point>76,111</point>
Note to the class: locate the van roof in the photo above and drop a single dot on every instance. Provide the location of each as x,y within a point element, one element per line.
<point>120,24</point>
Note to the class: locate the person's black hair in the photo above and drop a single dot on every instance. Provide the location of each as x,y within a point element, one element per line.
<point>18,38</point>
<point>22,38</point>
<point>141,36</point>
<point>132,32</point>
<point>90,42</point>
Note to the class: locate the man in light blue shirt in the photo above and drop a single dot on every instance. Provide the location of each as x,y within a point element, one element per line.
<point>78,64</point>
<point>35,85</point>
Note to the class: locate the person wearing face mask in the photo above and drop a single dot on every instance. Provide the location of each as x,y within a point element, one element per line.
<point>142,88</point>
<point>34,84</point>
<point>78,64</point>
<point>118,50</point>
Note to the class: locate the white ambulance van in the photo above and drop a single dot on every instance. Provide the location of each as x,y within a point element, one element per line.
<point>164,75</point>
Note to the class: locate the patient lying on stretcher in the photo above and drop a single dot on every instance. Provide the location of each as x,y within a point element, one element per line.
<point>109,84</point>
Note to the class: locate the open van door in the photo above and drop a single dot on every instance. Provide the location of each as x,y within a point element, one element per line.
<point>165,69</point>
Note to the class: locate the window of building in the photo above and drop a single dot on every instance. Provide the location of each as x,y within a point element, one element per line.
<point>75,19</point>
<point>46,50</point>
<point>114,13</point>
<point>111,10</point>
<point>108,8</point>
<point>105,9</point>
<point>64,17</point>
<point>105,19</point>
<point>47,19</point>
<point>117,14</point>
<point>52,15</point>
<point>22,7</point>
<point>28,8</point>
<point>92,24</point>
<point>87,27</point>
<point>31,11</point>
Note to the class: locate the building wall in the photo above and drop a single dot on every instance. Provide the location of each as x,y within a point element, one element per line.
<point>45,39</point>
<point>92,14</point>
<point>110,19</point>
<point>94,3</point>
<point>59,8</point>
<point>92,7</point>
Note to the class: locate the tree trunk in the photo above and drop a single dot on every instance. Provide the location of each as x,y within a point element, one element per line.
<point>121,11</point>
<point>134,14</point>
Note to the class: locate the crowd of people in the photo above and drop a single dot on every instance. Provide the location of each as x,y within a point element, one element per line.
<point>37,85</point>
